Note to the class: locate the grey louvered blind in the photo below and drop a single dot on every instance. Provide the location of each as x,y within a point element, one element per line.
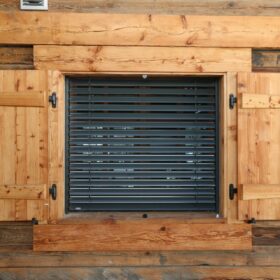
<point>142,144</point>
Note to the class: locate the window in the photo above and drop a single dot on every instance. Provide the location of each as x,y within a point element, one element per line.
<point>142,143</point>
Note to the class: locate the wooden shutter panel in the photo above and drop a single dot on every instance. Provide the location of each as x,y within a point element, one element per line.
<point>259,146</point>
<point>23,145</point>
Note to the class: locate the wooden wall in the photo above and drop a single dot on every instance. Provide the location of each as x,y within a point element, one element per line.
<point>201,7</point>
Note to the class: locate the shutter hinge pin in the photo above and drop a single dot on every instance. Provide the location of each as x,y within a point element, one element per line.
<point>53,99</point>
<point>232,101</point>
<point>53,191</point>
<point>232,191</point>
<point>252,221</point>
<point>34,221</point>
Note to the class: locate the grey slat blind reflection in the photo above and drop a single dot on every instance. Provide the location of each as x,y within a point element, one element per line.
<point>142,144</point>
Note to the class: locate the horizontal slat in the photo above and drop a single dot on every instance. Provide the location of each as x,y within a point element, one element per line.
<point>23,192</point>
<point>259,191</point>
<point>23,99</point>
<point>262,101</point>
<point>128,236</point>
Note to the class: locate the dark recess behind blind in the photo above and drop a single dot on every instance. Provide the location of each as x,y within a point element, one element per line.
<point>137,144</point>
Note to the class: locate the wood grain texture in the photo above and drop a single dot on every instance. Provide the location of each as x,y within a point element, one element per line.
<point>23,99</point>
<point>23,192</point>
<point>261,101</point>
<point>202,7</point>
<point>258,191</point>
<point>16,57</point>
<point>147,273</point>
<point>23,145</point>
<point>259,145</point>
<point>56,132</point>
<point>266,60</point>
<point>145,30</point>
<point>147,59</point>
<point>142,235</point>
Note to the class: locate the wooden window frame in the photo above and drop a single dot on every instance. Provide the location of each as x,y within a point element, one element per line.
<point>227,152</point>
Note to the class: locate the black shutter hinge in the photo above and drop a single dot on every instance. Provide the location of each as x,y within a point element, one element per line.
<point>232,191</point>
<point>232,101</point>
<point>34,221</point>
<point>53,99</point>
<point>53,192</point>
<point>252,221</point>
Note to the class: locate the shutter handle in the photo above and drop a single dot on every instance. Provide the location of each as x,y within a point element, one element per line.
<point>232,191</point>
<point>53,99</point>
<point>53,192</point>
<point>232,101</point>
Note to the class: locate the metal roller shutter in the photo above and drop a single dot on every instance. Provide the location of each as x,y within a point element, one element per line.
<point>142,144</point>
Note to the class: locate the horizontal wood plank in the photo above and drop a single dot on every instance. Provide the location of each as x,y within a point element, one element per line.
<point>147,273</point>
<point>259,191</point>
<point>202,7</point>
<point>23,99</point>
<point>146,30</point>
<point>266,60</point>
<point>147,59</point>
<point>142,235</point>
<point>261,101</point>
<point>23,192</point>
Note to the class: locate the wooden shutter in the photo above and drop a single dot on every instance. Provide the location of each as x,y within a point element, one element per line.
<point>24,145</point>
<point>259,146</point>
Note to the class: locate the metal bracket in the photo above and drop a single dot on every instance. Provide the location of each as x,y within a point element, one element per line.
<point>252,221</point>
<point>232,101</point>
<point>53,191</point>
<point>34,221</point>
<point>53,99</point>
<point>232,191</point>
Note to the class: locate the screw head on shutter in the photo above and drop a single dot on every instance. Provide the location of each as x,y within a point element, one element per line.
<point>53,191</point>
<point>53,99</point>
<point>232,101</point>
<point>232,191</point>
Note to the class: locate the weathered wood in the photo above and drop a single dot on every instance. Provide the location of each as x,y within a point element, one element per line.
<point>15,237</point>
<point>267,236</point>
<point>23,192</point>
<point>147,59</point>
<point>23,145</point>
<point>149,30</point>
<point>261,101</point>
<point>266,60</point>
<point>23,99</point>
<point>258,191</point>
<point>258,145</point>
<point>142,235</point>
<point>16,57</point>
<point>147,273</point>
<point>202,7</point>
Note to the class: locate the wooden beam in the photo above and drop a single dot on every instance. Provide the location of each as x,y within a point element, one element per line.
<point>133,29</point>
<point>142,235</point>
<point>266,60</point>
<point>23,192</point>
<point>259,191</point>
<point>202,7</point>
<point>261,101</point>
<point>16,57</point>
<point>146,59</point>
<point>23,99</point>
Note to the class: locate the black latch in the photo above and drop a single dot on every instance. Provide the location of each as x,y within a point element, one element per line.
<point>252,221</point>
<point>34,221</point>
<point>53,99</point>
<point>52,191</point>
<point>232,191</point>
<point>232,101</point>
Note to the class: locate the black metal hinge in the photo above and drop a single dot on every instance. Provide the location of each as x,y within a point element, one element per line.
<point>232,101</point>
<point>34,221</point>
<point>232,191</point>
<point>53,192</point>
<point>53,99</point>
<point>252,221</point>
